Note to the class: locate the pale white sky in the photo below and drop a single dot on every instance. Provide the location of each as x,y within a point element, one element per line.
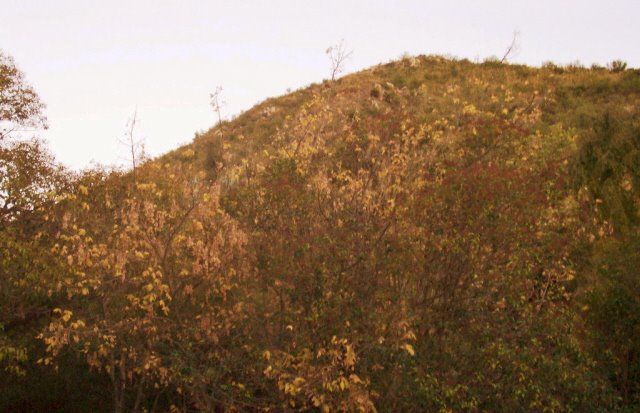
<point>94,62</point>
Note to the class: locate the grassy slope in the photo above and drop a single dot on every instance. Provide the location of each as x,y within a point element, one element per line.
<point>425,90</point>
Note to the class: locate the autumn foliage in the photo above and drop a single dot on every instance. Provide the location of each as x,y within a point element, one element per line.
<point>428,235</point>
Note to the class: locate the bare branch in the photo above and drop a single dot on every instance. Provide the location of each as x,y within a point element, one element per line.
<point>338,55</point>
<point>217,103</point>
<point>135,146</point>
<point>513,47</point>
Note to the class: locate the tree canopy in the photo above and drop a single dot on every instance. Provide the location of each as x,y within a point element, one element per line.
<point>20,106</point>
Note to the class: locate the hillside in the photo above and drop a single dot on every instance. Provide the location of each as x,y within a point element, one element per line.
<point>425,235</point>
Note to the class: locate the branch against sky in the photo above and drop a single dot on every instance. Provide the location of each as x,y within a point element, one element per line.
<point>217,103</point>
<point>338,56</point>
<point>134,145</point>
<point>513,47</point>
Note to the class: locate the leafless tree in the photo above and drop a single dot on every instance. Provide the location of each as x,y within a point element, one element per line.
<point>135,146</point>
<point>217,103</point>
<point>513,47</point>
<point>338,55</point>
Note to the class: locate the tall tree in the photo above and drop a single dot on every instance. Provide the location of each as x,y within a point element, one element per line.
<point>20,106</point>
<point>29,180</point>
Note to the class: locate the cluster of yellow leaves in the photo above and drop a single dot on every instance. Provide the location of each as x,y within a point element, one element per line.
<point>324,380</point>
<point>166,238</point>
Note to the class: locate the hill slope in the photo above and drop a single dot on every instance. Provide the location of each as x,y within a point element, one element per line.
<point>425,235</point>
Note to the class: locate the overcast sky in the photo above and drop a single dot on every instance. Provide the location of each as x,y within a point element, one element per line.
<point>93,62</point>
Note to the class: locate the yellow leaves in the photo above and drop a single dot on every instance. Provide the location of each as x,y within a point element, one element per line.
<point>144,186</point>
<point>77,324</point>
<point>317,401</point>
<point>627,183</point>
<point>123,267</point>
<point>350,356</point>
<point>45,361</point>
<point>570,274</point>
<point>102,351</point>
<point>83,190</point>
<point>266,355</point>
<point>188,154</point>
<point>409,349</point>
<point>409,335</point>
<point>343,383</point>
<point>373,139</point>
<point>469,109</point>
<point>152,362</point>
<point>294,387</point>
<point>66,315</point>
<point>163,307</point>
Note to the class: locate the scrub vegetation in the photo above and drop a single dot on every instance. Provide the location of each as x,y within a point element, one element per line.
<point>427,235</point>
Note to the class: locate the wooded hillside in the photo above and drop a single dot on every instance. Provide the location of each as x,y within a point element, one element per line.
<point>428,235</point>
